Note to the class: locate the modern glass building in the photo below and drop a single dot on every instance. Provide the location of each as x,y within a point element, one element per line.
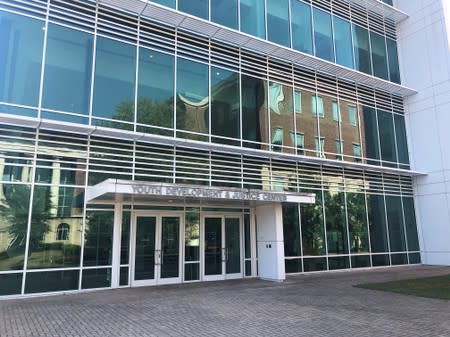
<point>154,142</point>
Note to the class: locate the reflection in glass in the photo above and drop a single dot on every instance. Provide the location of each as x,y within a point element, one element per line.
<point>225,12</point>
<point>313,236</point>
<point>350,131</point>
<point>315,264</point>
<point>213,246</point>
<point>247,237</point>
<point>379,58</point>
<point>55,238</point>
<point>361,49</point>
<point>68,66</point>
<point>192,235</point>
<point>301,27</point>
<point>395,223</point>
<point>22,41</point>
<point>252,18</point>
<point>254,111</point>
<point>328,108</point>
<point>281,117</point>
<point>336,223</point>
<point>400,137</point>
<point>98,238</point>
<point>168,3</point>
<point>225,117</point>
<point>232,246</point>
<point>170,247</point>
<point>306,124</point>
<point>144,260</point>
<point>291,230</point>
<point>125,238</point>
<point>377,223</point>
<point>197,8</point>
<point>323,35</point>
<point>155,89</point>
<point>14,210</point>
<point>192,97</point>
<point>278,22</point>
<point>115,73</point>
<point>343,42</point>
<point>357,226</point>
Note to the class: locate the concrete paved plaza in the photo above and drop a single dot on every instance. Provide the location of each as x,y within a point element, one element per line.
<point>322,304</point>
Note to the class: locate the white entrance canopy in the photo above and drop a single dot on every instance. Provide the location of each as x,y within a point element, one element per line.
<point>116,189</point>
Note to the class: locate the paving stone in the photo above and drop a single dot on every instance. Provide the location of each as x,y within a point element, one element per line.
<point>320,304</point>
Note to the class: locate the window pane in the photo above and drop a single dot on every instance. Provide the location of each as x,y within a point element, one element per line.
<point>371,135</point>
<point>198,7</point>
<point>155,89</point>
<point>281,116</point>
<point>313,237</point>
<point>22,41</point>
<point>98,238</point>
<point>10,284</point>
<point>225,112</point>
<point>55,239</point>
<point>400,133</point>
<point>357,226</point>
<point>316,264</point>
<point>361,49</point>
<point>329,125</point>
<point>51,281</point>
<point>192,96</point>
<point>291,230</point>
<point>323,36</point>
<point>395,223</point>
<point>278,22</point>
<point>254,111</point>
<point>225,12</point>
<point>96,278</point>
<point>336,224</point>
<point>377,223</point>
<point>350,131</point>
<point>252,17</point>
<point>340,262</point>
<point>379,58</point>
<point>247,236</point>
<point>306,123</point>
<point>115,73</point>
<point>394,71</point>
<point>14,210</point>
<point>125,239</point>
<point>192,235</point>
<point>68,66</point>
<point>301,27</point>
<point>387,139</point>
<point>168,3</point>
<point>410,224</point>
<point>343,42</point>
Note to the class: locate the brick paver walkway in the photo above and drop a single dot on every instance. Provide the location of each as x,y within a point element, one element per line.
<point>322,304</point>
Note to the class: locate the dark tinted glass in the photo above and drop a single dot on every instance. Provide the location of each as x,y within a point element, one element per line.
<point>291,230</point>
<point>68,67</point>
<point>371,135</point>
<point>379,58</point>
<point>377,223</point>
<point>115,73</point>
<point>125,240</point>
<point>323,35</point>
<point>278,22</point>
<point>293,265</point>
<point>98,238</point>
<point>360,261</point>
<point>410,224</point>
<point>301,27</point>
<point>341,262</point>
<point>394,71</point>
<point>315,264</point>
<point>96,278</point>
<point>51,281</point>
<point>357,223</point>
<point>361,49</point>
<point>124,274</point>
<point>313,237</point>
<point>387,137</point>
<point>22,41</point>
<point>225,12</point>
<point>395,223</point>
<point>400,136</point>
<point>10,284</point>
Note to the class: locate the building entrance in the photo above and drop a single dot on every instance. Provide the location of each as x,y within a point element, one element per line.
<point>157,249</point>
<point>222,249</point>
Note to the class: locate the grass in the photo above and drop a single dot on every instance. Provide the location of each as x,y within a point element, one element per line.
<point>431,287</point>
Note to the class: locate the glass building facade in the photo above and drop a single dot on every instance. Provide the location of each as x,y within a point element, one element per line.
<point>90,93</point>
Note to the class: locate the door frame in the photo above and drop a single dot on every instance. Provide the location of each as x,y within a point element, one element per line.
<point>224,275</point>
<point>157,280</point>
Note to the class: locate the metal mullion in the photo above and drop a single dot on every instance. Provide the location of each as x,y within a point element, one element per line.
<point>387,224</point>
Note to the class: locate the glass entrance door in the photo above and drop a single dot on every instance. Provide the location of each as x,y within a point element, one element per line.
<point>222,257</point>
<point>157,247</point>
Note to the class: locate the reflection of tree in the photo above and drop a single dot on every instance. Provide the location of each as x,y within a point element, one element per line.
<point>149,112</point>
<point>312,227</point>
<point>356,209</point>
<point>14,211</point>
<point>336,226</point>
<point>98,238</point>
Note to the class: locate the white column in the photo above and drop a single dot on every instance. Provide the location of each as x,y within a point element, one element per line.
<point>117,238</point>
<point>270,242</point>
